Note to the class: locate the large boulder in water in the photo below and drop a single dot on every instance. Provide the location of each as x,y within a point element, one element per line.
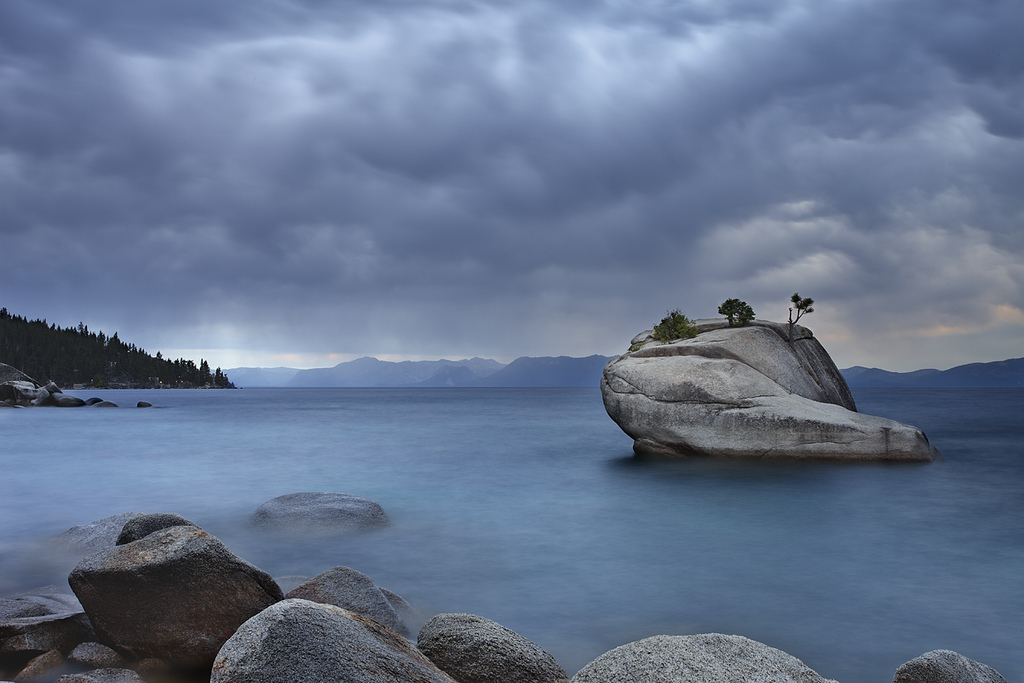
<point>352,590</point>
<point>176,594</point>
<point>705,658</point>
<point>320,513</point>
<point>299,640</point>
<point>946,666</point>
<point>747,392</point>
<point>472,649</point>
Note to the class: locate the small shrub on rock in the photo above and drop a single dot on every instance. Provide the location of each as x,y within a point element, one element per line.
<point>674,326</point>
<point>738,312</point>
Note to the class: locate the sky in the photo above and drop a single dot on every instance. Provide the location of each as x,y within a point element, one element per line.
<point>300,183</point>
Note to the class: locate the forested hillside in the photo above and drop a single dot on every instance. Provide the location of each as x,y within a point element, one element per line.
<point>75,356</point>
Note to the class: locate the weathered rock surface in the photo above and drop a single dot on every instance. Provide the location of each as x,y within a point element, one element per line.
<point>96,655</point>
<point>351,590</point>
<point>9,373</point>
<point>41,667</point>
<point>40,620</point>
<point>88,538</point>
<point>299,640</point>
<point>946,666</point>
<point>21,392</point>
<point>312,512</point>
<point>472,649</point>
<point>144,525</point>
<point>104,675</point>
<point>705,658</point>
<point>747,392</point>
<point>177,594</point>
<point>405,611</point>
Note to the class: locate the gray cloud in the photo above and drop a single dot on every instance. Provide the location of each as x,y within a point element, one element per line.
<point>443,178</point>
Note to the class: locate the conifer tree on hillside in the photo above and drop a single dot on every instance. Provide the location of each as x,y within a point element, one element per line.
<point>74,355</point>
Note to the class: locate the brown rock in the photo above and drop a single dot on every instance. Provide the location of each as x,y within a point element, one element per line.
<point>177,594</point>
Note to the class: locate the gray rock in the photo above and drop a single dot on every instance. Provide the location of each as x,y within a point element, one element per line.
<point>42,619</point>
<point>299,640</point>
<point>177,594</point>
<point>40,667</point>
<point>96,655</point>
<point>103,675</point>
<point>143,404</point>
<point>705,658</point>
<point>90,537</point>
<point>405,611</point>
<point>473,649</point>
<point>946,666</point>
<point>62,400</point>
<point>143,525</point>
<point>746,392</point>
<point>9,373</point>
<point>320,513</point>
<point>105,404</point>
<point>22,392</point>
<point>351,590</point>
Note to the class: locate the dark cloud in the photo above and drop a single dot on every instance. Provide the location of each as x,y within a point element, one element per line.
<point>446,178</point>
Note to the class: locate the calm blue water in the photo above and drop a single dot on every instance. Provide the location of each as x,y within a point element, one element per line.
<point>527,507</point>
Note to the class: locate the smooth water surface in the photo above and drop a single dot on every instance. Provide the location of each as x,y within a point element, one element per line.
<point>527,506</point>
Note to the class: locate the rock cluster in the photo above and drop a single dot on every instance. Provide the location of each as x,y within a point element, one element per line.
<point>747,392</point>
<point>18,389</point>
<point>162,597</point>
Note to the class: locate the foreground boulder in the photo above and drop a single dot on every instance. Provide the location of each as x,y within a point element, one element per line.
<point>41,620</point>
<point>946,666</point>
<point>473,649</point>
<point>351,590</point>
<point>747,392</point>
<point>176,594</point>
<point>705,658</point>
<point>318,513</point>
<point>299,640</point>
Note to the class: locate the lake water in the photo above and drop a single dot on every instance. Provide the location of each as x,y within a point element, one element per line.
<point>527,507</point>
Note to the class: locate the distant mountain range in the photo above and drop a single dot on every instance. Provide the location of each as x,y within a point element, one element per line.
<point>1003,373</point>
<point>565,371</point>
<point>547,371</point>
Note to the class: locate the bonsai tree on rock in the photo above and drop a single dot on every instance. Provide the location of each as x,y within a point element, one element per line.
<point>802,306</point>
<point>674,326</point>
<point>738,312</point>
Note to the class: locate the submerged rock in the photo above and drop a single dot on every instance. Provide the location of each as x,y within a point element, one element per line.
<point>299,640</point>
<point>102,533</point>
<point>318,513</point>
<point>473,649</point>
<point>176,594</point>
<point>705,658</point>
<point>747,392</point>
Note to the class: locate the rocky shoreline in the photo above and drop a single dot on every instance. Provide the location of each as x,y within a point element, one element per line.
<point>157,599</point>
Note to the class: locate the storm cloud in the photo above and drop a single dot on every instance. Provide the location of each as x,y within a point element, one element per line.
<point>286,182</point>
